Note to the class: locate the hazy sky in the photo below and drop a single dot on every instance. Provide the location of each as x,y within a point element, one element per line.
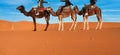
<point>110,10</point>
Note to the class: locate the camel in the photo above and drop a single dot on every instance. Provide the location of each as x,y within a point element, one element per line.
<point>86,12</point>
<point>66,12</point>
<point>32,13</point>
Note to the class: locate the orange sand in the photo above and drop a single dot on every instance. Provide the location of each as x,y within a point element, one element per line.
<point>24,41</point>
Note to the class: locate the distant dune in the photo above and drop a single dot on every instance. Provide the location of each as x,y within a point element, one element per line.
<point>17,38</point>
<point>24,25</point>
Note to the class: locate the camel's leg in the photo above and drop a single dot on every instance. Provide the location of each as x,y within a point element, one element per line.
<point>71,25</point>
<point>74,23</point>
<point>87,23</point>
<point>34,21</point>
<point>60,22</point>
<point>98,22</point>
<point>99,25</point>
<point>47,21</point>
<point>59,28</point>
<point>62,25</point>
<point>101,22</point>
<point>84,27</point>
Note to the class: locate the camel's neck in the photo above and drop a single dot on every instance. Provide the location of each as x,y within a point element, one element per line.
<point>25,12</point>
<point>53,13</point>
<point>76,10</point>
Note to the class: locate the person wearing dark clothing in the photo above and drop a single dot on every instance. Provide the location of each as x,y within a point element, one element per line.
<point>67,3</point>
<point>91,6</point>
<point>93,2</point>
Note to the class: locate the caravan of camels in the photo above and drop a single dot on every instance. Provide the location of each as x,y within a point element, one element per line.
<point>63,12</point>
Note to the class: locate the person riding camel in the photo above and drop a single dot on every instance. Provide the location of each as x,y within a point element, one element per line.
<point>40,7</point>
<point>90,7</point>
<point>40,3</point>
<point>93,3</point>
<point>67,3</point>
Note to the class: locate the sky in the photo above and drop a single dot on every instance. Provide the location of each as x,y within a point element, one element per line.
<point>110,10</point>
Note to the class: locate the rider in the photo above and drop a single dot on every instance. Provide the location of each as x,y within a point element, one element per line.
<point>93,3</point>
<point>40,7</point>
<point>67,3</point>
<point>91,6</point>
<point>40,3</point>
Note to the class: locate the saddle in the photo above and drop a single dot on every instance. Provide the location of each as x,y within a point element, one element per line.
<point>63,9</point>
<point>41,9</point>
<point>87,9</point>
<point>67,9</point>
<point>90,7</point>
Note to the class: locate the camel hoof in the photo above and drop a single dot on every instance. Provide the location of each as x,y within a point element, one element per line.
<point>83,29</point>
<point>87,28</point>
<point>74,29</point>
<point>58,29</point>
<point>70,29</point>
<point>45,30</point>
<point>97,29</point>
<point>34,30</point>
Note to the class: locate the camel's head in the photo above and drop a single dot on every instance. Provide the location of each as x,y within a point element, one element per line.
<point>76,8</point>
<point>21,8</point>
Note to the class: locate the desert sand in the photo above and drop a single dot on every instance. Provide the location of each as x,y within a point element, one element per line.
<point>17,38</point>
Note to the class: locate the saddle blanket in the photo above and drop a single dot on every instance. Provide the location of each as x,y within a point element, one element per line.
<point>41,9</point>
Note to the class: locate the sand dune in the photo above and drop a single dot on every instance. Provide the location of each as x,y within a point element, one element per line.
<point>24,41</point>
